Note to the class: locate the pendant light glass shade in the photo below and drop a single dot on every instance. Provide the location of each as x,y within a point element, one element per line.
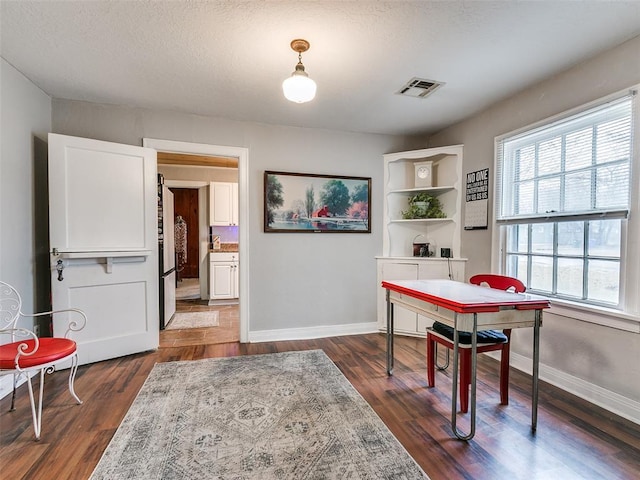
<point>299,87</point>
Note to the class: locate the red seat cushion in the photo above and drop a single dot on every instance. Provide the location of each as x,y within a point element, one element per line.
<point>50,350</point>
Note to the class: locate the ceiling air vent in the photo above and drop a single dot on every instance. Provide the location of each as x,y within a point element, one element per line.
<point>419,87</point>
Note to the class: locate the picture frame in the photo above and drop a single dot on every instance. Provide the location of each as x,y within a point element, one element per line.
<point>313,203</point>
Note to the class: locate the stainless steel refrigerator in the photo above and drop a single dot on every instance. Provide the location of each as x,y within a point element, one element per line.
<point>166,254</point>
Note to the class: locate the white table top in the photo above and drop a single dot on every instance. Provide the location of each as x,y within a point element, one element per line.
<point>465,297</point>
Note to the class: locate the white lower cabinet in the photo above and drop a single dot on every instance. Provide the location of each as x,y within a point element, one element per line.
<point>407,322</point>
<point>223,275</point>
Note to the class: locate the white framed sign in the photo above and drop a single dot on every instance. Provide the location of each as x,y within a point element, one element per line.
<point>477,200</point>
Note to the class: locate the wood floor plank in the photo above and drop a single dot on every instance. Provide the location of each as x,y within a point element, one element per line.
<point>575,439</point>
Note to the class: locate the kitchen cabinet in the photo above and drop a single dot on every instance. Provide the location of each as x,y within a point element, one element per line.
<point>223,203</point>
<point>438,173</point>
<point>223,275</point>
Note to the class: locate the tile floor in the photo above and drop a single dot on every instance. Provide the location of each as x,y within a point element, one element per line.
<point>188,300</point>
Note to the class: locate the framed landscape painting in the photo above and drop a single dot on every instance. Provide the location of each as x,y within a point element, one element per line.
<point>305,202</point>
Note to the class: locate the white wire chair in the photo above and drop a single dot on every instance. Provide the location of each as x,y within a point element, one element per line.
<point>25,354</point>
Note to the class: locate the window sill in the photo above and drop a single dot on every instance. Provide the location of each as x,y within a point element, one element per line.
<point>606,317</point>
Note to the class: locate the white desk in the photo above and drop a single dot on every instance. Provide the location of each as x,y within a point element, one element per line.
<point>468,308</point>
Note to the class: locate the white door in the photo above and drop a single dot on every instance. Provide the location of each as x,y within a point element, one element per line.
<point>168,211</point>
<point>103,232</point>
<point>169,285</point>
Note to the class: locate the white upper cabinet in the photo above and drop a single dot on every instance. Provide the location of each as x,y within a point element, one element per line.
<point>223,203</point>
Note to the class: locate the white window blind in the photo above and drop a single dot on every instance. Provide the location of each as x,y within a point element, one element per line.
<point>574,168</point>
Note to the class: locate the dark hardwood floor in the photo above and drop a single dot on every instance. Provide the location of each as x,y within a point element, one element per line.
<point>575,440</point>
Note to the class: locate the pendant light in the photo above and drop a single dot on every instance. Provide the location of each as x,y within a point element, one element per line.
<point>299,87</point>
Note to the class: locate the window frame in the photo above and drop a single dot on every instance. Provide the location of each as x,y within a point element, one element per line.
<point>585,257</point>
<point>627,315</point>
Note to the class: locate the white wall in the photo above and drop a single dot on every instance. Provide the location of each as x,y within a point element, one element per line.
<point>600,363</point>
<point>25,117</point>
<point>296,280</point>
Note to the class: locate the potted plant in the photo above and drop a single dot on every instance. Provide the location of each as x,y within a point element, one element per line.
<point>423,205</point>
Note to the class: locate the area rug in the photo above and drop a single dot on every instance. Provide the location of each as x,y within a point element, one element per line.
<point>193,320</point>
<point>276,416</point>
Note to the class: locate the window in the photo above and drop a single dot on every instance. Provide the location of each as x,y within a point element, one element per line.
<point>562,203</point>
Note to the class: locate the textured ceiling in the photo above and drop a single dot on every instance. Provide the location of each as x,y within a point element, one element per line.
<point>229,58</point>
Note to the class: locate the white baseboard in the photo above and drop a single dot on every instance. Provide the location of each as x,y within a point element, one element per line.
<point>230,301</point>
<point>611,401</point>
<point>312,332</point>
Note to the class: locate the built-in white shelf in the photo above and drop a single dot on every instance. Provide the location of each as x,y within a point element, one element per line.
<point>399,234</point>
<point>422,220</point>
<point>435,191</point>
<point>400,185</point>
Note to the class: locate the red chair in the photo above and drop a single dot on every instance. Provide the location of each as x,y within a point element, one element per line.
<point>26,354</point>
<point>488,341</point>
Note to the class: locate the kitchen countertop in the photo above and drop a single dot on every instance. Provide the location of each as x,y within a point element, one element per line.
<point>225,247</point>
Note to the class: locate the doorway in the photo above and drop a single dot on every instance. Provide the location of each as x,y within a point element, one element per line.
<point>196,321</point>
<point>240,156</point>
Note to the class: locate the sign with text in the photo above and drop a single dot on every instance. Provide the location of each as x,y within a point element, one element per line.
<point>477,196</point>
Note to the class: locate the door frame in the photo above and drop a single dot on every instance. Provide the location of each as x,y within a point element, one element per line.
<point>242,155</point>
